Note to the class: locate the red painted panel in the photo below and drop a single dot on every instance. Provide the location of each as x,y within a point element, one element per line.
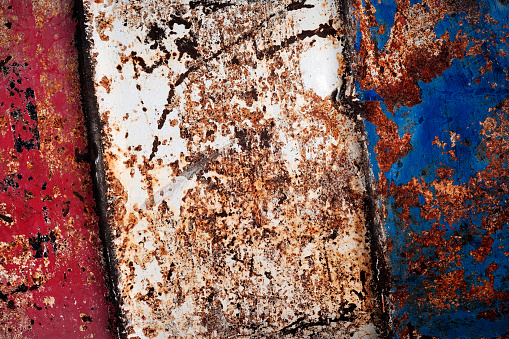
<point>51,276</point>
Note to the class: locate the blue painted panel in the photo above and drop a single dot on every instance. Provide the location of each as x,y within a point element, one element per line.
<point>447,198</point>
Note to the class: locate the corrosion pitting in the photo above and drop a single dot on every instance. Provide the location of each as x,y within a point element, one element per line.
<point>50,260</point>
<point>449,223</point>
<point>235,171</point>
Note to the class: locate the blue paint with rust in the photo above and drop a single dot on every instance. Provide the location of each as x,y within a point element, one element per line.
<point>450,102</point>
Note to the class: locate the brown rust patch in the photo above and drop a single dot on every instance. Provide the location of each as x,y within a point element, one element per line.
<point>413,52</point>
<point>105,82</point>
<point>447,204</point>
<point>390,147</point>
<point>103,24</point>
<point>246,212</point>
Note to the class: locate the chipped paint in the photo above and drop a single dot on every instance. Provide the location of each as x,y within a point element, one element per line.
<point>238,188</point>
<point>433,81</point>
<point>50,253</point>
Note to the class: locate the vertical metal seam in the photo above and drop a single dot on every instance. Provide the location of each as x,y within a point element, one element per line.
<point>97,168</point>
<point>374,225</point>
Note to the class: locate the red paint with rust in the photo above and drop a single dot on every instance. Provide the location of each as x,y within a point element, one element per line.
<point>51,271</point>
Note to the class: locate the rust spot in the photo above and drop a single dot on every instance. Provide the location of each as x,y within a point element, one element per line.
<point>105,82</point>
<point>413,52</point>
<point>85,318</point>
<point>390,147</point>
<point>103,24</point>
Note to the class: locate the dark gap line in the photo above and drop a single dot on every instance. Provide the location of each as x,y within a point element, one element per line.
<point>97,167</point>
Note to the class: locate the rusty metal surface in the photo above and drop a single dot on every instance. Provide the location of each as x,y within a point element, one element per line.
<point>237,181</point>
<point>433,79</point>
<point>51,276</point>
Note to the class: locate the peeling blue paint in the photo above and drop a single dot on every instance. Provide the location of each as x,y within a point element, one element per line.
<point>451,103</point>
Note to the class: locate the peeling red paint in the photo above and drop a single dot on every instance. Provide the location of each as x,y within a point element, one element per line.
<point>50,252</point>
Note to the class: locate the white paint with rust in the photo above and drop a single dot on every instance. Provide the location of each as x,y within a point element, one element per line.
<point>240,213</point>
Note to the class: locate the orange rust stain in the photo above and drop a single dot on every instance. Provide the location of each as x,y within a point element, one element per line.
<point>485,291</point>
<point>447,204</point>
<point>444,293</point>
<point>103,24</point>
<point>105,82</point>
<point>481,253</point>
<point>413,52</point>
<point>390,147</point>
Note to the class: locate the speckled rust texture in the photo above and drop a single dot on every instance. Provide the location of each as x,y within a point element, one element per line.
<point>447,214</point>
<point>447,203</point>
<point>236,183</point>
<point>51,277</point>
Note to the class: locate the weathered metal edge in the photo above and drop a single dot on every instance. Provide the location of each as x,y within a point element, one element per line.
<point>374,223</point>
<point>375,233</point>
<point>97,167</point>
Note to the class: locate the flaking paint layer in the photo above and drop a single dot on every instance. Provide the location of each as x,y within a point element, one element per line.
<point>51,269</point>
<point>433,79</point>
<point>235,178</point>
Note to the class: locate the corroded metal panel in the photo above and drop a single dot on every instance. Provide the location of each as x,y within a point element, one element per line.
<point>237,183</point>
<point>434,82</point>
<point>51,276</point>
